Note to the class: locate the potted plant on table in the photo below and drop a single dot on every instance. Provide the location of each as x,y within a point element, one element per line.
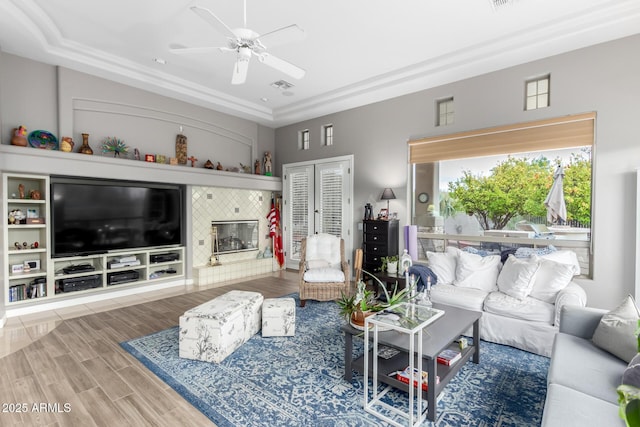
<point>355,308</point>
<point>389,264</point>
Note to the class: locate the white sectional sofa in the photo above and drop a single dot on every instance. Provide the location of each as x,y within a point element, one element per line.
<point>521,300</point>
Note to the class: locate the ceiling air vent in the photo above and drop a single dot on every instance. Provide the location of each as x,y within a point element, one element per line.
<point>282,85</point>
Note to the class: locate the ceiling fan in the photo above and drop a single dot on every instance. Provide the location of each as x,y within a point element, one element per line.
<point>247,43</point>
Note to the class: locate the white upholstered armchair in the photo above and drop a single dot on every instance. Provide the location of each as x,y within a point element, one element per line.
<point>324,271</point>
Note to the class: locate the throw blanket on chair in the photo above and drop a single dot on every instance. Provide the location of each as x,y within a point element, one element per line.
<point>423,272</point>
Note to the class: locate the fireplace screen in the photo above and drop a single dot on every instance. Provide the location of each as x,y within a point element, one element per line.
<point>235,236</point>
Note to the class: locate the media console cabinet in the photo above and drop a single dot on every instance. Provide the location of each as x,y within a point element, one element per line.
<point>31,276</point>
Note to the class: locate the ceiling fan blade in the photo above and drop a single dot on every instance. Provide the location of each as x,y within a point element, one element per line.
<point>240,69</point>
<point>213,20</point>
<point>282,65</point>
<point>180,49</point>
<point>283,35</point>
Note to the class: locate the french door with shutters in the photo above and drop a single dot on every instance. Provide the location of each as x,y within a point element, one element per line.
<point>317,199</point>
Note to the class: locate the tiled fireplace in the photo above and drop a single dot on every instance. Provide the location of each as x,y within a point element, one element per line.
<point>229,206</point>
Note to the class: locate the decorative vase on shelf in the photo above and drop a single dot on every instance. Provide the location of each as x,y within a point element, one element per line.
<point>19,137</point>
<point>84,148</point>
<point>392,267</point>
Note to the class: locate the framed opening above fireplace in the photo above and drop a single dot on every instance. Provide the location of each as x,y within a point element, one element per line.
<point>237,236</point>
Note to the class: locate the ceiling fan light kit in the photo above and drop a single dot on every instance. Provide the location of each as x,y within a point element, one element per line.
<point>246,43</point>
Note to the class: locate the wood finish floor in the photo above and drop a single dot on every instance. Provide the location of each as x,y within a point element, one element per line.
<point>78,375</point>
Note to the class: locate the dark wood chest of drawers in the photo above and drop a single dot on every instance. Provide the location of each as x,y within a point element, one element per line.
<point>380,239</point>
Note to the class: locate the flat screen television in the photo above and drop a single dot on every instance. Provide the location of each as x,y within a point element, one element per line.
<point>90,216</point>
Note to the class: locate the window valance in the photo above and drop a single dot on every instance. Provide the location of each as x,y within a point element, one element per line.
<point>561,132</point>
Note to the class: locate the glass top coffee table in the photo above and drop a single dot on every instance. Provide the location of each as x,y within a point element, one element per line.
<point>413,332</point>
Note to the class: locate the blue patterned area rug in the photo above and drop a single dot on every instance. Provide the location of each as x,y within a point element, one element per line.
<point>298,381</point>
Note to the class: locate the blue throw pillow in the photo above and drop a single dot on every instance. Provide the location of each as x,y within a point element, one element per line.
<point>481,252</point>
<point>527,252</point>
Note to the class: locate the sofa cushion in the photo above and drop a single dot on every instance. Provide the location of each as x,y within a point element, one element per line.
<point>443,264</point>
<point>475,271</point>
<point>551,277</point>
<point>568,407</point>
<point>517,276</point>
<point>577,363</point>
<point>324,275</point>
<point>467,298</point>
<point>526,309</point>
<point>616,331</point>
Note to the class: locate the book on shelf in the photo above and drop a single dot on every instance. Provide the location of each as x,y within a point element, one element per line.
<point>449,357</point>
<point>406,374</point>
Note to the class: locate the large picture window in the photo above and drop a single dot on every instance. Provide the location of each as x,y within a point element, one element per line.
<point>524,184</point>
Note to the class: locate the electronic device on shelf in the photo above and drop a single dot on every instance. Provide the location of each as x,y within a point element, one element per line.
<point>78,268</point>
<point>120,263</point>
<point>72,284</point>
<point>165,257</point>
<point>115,202</point>
<point>124,276</point>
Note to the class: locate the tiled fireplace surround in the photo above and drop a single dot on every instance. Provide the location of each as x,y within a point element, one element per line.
<point>228,204</point>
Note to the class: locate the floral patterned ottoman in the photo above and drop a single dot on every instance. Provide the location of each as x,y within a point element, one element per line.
<point>278,317</point>
<point>213,330</point>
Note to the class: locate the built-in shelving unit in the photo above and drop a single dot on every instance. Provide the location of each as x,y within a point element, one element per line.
<point>32,276</point>
<point>25,237</point>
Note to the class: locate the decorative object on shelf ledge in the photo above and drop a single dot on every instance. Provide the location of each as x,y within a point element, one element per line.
<point>256,167</point>
<point>149,158</point>
<point>219,167</point>
<point>161,158</point>
<point>66,144</point>
<point>267,163</point>
<point>181,149</point>
<point>19,136</point>
<point>84,148</point>
<point>114,145</point>
<point>136,154</point>
<point>173,161</point>
<point>208,164</point>
<point>245,168</point>
<point>43,139</point>
<point>193,160</point>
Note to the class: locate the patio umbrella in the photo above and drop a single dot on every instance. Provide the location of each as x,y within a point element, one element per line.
<point>556,206</point>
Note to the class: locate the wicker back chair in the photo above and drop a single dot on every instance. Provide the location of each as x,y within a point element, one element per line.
<point>324,271</point>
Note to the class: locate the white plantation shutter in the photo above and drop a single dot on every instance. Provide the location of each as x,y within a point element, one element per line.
<point>298,209</point>
<point>330,207</point>
<point>317,199</point>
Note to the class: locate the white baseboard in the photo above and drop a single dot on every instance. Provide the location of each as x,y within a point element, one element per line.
<point>94,297</point>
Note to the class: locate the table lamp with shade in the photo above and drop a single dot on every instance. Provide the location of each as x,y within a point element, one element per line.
<point>387,195</point>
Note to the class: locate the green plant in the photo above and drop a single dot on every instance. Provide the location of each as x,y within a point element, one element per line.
<point>364,300</point>
<point>385,262</point>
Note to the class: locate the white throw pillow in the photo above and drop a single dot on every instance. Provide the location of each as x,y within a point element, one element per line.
<point>616,331</point>
<point>443,264</point>
<point>565,257</point>
<point>475,271</point>
<point>551,278</point>
<point>317,263</point>
<point>517,277</point>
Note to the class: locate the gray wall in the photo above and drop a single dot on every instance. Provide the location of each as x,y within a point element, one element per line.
<point>601,78</point>
<point>69,103</point>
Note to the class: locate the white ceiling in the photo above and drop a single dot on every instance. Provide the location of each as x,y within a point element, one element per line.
<point>355,51</point>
